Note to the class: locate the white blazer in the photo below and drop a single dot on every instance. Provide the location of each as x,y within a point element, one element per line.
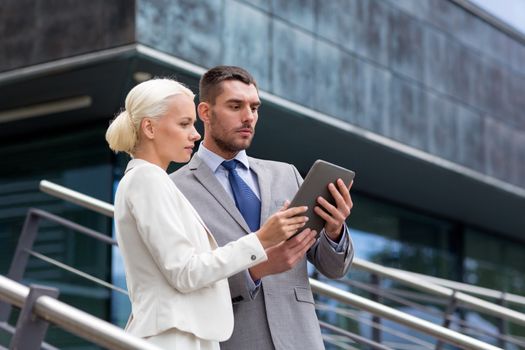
<point>175,272</point>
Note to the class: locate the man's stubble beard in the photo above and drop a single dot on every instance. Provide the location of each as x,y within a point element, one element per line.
<point>224,144</point>
<point>230,147</point>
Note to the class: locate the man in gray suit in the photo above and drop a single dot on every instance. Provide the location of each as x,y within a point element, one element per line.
<point>273,303</point>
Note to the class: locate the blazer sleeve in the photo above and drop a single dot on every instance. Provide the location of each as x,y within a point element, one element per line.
<point>159,210</point>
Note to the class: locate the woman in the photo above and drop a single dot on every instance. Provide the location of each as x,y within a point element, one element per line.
<point>176,274</point>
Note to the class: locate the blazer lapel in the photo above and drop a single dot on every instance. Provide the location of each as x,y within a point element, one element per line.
<point>263,177</point>
<point>205,176</point>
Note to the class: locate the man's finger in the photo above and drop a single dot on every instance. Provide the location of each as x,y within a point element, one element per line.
<point>337,194</point>
<point>298,252</point>
<point>333,217</point>
<point>330,208</point>
<point>297,240</point>
<point>344,191</point>
<point>285,206</point>
<point>306,244</point>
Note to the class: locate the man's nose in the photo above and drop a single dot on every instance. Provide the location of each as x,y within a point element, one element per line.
<point>248,114</point>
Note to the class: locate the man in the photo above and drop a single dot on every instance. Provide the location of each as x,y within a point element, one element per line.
<point>273,303</point>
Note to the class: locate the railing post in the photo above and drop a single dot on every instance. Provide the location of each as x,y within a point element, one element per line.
<point>376,320</point>
<point>447,315</point>
<point>30,329</point>
<point>21,256</point>
<point>502,323</point>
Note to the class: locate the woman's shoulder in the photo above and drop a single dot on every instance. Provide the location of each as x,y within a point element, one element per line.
<point>143,173</point>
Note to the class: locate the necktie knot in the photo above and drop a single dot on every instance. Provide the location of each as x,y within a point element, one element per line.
<point>230,164</point>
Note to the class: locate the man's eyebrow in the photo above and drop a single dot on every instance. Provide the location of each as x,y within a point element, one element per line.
<point>234,100</point>
<point>237,100</point>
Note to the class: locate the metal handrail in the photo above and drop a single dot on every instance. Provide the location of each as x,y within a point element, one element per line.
<point>352,336</point>
<point>73,320</point>
<point>429,287</point>
<point>400,297</point>
<point>346,297</point>
<point>467,288</point>
<point>76,197</point>
<point>355,314</point>
<point>76,272</point>
<point>419,324</point>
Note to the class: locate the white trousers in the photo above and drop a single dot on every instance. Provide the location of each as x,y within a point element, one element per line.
<point>174,339</point>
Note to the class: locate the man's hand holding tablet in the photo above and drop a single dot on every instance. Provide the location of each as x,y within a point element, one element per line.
<point>316,184</point>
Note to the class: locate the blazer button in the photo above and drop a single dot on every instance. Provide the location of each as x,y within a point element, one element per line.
<point>253,257</point>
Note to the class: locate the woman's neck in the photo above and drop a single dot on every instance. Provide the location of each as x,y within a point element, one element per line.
<point>151,157</point>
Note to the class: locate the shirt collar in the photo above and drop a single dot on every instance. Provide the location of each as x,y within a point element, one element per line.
<point>213,160</point>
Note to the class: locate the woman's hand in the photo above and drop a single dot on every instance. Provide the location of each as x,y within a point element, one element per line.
<point>281,225</point>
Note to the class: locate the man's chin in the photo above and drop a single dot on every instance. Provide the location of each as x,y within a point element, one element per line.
<point>242,145</point>
<point>235,145</point>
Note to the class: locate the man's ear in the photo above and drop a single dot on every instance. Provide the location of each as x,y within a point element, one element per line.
<point>147,127</point>
<point>203,110</point>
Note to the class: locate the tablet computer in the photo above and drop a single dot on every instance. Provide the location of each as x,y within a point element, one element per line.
<point>315,184</point>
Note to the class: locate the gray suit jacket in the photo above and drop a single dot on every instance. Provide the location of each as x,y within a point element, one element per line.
<point>282,314</point>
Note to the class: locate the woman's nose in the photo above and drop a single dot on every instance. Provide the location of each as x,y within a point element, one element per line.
<point>195,136</point>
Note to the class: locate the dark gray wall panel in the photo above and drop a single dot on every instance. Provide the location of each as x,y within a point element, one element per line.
<point>191,30</point>
<point>261,4</point>
<point>442,127</point>
<point>335,81</point>
<point>408,121</point>
<point>498,143</point>
<point>372,97</point>
<point>335,22</point>
<point>471,139</point>
<point>370,34</point>
<point>518,159</point>
<point>297,12</point>
<point>33,32</point>
<point>247,40</point>
<point>293,64</point>
<point>405,46</point>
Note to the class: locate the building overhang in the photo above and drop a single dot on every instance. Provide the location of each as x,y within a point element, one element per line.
<point>82,89</point>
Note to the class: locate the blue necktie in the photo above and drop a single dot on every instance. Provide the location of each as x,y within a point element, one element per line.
<point>245,200</point>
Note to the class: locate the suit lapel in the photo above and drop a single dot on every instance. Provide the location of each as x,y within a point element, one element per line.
<point>263,179</point>
<point>207,179</point>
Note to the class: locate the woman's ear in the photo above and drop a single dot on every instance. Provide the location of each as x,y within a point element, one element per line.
<point>203,110</point>
<point>147,127</point>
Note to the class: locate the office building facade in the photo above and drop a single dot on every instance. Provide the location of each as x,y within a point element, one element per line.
<point>424,99</point>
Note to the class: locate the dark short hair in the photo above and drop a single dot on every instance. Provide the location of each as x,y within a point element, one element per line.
<point>210,83</point>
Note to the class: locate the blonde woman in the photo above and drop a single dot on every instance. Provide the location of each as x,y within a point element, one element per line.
<point>175,272</point>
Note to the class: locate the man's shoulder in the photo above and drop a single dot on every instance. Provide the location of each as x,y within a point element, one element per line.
<point>182,171</point>
<point>272,164</point>
<point>186,169</point>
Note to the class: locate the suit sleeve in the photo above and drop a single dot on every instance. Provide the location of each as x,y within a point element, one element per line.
<point>327,260</point>
<point>242,289</point>
<point>323,255</point>
<point>157,207</point>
